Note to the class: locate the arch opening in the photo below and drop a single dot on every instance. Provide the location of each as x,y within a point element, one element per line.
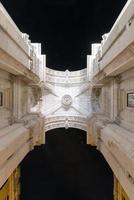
<point>66,168</point>
<point>57,125</point>
<point>79,133</point>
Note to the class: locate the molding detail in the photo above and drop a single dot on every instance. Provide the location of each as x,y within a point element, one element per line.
<point>67,99</point>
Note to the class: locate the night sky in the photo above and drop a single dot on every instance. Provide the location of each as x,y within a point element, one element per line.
<point>65,168</point>
<point>66,28</point>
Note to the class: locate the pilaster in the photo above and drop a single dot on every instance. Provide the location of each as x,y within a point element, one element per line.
<point>115,84</point>
<point>17,98</point>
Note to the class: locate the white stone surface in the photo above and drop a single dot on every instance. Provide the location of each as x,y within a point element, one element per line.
<point>66,100</point>
<point>38,99</point>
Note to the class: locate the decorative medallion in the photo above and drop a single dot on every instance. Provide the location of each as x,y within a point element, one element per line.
<point>66,100</point>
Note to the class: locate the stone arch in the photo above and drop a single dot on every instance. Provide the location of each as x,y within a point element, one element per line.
<point>55,122</point>
<point>71,132</point>
<point>61,124</point>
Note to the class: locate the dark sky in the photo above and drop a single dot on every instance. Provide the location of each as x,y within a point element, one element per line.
<point>66,28</point>
<point>66,169</point>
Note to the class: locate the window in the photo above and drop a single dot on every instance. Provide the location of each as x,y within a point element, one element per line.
<point>130,100</point>
<point>1,99</point>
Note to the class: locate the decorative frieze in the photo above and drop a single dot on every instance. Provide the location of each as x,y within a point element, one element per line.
<point>66,77</point>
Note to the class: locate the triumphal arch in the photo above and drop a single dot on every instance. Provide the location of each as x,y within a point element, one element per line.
<point>98,99</point>
<point>67,99</point>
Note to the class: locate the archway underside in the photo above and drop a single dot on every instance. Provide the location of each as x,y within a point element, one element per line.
<point>66,99</point>
<point>66,122</point>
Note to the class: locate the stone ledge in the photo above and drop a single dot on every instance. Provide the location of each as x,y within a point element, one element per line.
<point>16,141</point>
<point>12,138</point>
<point>117,146</point>
<point>120,143</point>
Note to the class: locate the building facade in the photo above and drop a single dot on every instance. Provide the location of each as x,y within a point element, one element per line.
<point>98,99</point>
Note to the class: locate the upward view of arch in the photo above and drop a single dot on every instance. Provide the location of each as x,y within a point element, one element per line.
<point>67,99</point>
<point>65,122</point>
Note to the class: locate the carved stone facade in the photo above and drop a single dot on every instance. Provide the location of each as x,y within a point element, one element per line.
<point>67,99</point>
<point>98,99</point>
<point>22,71</point>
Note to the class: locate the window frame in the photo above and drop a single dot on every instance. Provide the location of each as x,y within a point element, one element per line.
<point>1,99</point>
<point>129,105</point>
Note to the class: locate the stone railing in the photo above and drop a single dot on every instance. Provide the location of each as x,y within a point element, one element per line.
<point>17,52</point>
<point>117,40</point>
<point>11,40</point>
